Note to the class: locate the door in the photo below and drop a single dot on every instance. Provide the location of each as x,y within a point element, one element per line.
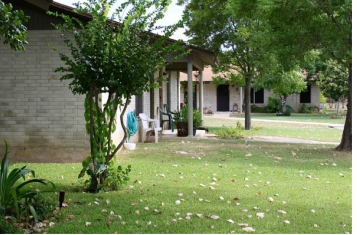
<point>223,98</point>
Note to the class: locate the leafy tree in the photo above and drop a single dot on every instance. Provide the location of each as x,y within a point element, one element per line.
<point>284,83</point>
<point>332,82</point>
<point>298,26</point>
<point>232,29</point>
<point>116,58</point>
<point>12,30</point>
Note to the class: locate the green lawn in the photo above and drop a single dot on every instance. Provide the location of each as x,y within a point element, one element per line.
<point>296,117</point>
<point>169,190</point>
<point>268,125</point>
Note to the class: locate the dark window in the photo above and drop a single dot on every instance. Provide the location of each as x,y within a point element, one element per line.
<point>257,97</point>
<point>305,96</point>
<point>138,104</point>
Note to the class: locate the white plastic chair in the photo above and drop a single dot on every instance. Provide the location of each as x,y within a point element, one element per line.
<point>148,126</point>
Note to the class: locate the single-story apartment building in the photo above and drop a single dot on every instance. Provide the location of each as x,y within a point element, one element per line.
<point>40,118</point>
<point>229,98</point>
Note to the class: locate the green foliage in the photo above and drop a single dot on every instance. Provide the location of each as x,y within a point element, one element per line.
<point>257,109</point>
<point>274,104</point>
<point>15,197</point>
<point>332,82</point>
<point>235,36</point>
<point>197,122</point>
<point>12,30</point>
<point>109,63</point>
<point>7,228</point>
<point>229,132</point>
<point>116,177</point>
<point>303,108</point>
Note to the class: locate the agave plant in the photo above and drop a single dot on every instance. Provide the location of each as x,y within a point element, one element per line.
<point>12,193</point>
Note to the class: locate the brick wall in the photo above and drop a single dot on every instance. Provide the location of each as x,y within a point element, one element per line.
<point>40,118</point>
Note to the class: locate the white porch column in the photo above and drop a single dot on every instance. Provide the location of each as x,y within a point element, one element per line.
<point>189,99</point>
<point>240,99</point>
<point>201,95</point>
<point>178,91</point>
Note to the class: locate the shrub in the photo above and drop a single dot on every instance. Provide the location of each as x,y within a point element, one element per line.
<point>197,122</point>
<point>257,109</point>
<point>303,108</point>
<point>116,177</point>
<point>230,132</point>
<point>274,104</point>
<point>13,196</point>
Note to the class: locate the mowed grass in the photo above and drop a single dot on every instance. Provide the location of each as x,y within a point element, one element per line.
<point>298,117</point>
<point>319,131</point>
<point>169,190</point>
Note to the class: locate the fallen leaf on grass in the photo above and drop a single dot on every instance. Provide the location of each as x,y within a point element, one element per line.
<point>248,229</point>
<point>177,202</point>
<point>181,152</point>
<point>270,199</point>
<point>260,215</point>
<point>88,223</point>
<point>215,217</point>
<point>286,221</point>
<point>230,221</point>
<point>281,212</point>
<point>277,158</point>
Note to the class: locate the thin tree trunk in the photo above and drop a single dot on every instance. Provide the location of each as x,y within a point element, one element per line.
<point>346,141</point>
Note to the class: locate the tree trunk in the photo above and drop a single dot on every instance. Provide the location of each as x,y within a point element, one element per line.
<point>93,187</point>
<point>346,141</point>
<point>247,114</point>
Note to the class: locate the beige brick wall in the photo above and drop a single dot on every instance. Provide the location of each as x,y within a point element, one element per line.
<point>40,118</point>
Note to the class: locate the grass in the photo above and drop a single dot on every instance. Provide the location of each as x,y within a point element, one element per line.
<point>316,131</point>
<point>297,117</point>
<point>299,177</point>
